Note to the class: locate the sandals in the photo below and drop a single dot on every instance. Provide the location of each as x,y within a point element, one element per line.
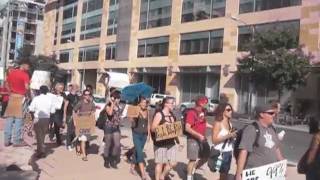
<point>84,158</point>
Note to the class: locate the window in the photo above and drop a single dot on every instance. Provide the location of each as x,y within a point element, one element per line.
<point>153,47</point>
<point>111,51</point>
<point>89,54</point>
<point>195,10</point>
<point>67,39</point>
<point>202,42</point>
<point>65,56</point>
<point>70,12</point>
<point>69,28</point>
<point>90,27</point>
<point>113,17</point>
<point>246,32</point>
<point>260,5</point>
<point>67,2</point>
<point>91,5</point>
<point>155,13</point>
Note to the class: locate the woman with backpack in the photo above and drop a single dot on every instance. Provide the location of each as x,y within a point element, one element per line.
<point>140,133</point>
<point>112,134</point>
<point>222,138</point>
<point>164,150</point>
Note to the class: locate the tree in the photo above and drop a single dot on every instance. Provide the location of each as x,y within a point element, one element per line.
<point>42,62</point>
<point>274,59</point>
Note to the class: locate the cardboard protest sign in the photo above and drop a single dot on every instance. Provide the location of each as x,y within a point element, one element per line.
<point>40,78</point>
<point>84,124</point>
<point>133,111</point>
<point>273,171</point>
<point>168,131</point>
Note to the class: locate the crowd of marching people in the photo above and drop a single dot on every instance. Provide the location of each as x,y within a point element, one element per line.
<point>255,145</point>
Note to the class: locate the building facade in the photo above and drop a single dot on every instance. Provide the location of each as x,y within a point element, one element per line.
<point>181,47</point>
<point>21,25</point>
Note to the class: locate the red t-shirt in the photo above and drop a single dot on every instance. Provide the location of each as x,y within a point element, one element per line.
<point>17,79</point>
<point>197,121</point>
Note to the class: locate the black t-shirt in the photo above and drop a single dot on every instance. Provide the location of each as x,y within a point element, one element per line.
<point>73,100</point>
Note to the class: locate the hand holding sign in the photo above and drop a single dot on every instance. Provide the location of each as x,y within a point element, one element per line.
<point>273,171</point>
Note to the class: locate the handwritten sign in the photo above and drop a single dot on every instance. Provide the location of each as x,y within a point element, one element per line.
<point>168,131</point>
<point>40,78</point>
<point>85,125</point>
<point>133,111</point>
<point>273,171</point>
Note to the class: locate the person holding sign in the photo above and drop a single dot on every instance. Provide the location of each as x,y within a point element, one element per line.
<point>164,150</point>
<point>84,108</point>
<point>267,148</point>
<point>223,137</point>
<point>112,131</point>
<point>140,133</point>
<point>197,145</point>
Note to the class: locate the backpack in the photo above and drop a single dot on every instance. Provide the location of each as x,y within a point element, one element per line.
<point>236,150</point>
<point>101,121</point>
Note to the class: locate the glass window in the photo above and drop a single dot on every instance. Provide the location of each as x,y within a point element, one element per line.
<point>67,39</point>
<point>155,13</point>
<point>93,22</point>
<point>260,5</point>
<point>195,10</point>
<point>67,2</point>
<point>69,28</point>
<point>202,42</point>
<point>89,54</point>
<point>113,17</point>
<point>70,12</point>
<point>153,47</point>
<point>111,51</point>
<point>65,56</point>
<point>95,34</point>
<point>91,5</point>
<point>246,32</point>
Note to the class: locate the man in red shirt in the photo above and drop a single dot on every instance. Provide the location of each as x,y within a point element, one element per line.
<point>18,85</point>
<point>5,98</point>
<point>197,145</point>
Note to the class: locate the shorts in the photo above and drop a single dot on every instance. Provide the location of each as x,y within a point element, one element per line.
<point>226,162</point>
<point>193,149</point>
<point>166,154</point>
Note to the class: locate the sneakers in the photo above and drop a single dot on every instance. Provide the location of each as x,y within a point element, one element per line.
<point>70,148</point>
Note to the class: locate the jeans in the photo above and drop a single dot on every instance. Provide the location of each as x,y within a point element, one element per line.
<point>70,130</point>
<point>112,138</point>
<point>18,123</point>
<point>139,140</point>
<point>41,129</point>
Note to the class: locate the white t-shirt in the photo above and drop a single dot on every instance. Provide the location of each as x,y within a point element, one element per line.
<point>42,106</point>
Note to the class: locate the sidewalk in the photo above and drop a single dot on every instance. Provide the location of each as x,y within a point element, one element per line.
<point>61,164</point>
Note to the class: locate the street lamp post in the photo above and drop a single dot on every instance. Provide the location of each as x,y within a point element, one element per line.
<point>252,27</point>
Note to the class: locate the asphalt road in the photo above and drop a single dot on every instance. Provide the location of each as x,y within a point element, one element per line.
<point>294,144</point>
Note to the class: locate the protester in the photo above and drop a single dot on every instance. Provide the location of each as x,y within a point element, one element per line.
<point>268,148</point>
<point>313,157</point>
<point>112,131</point>
<point>197,145</point>
<point>89,88</point>
<point>84,107</point>
<point>71,100</point>
<point>57,118</point>
<point>4,92</point>
<point>69,89</point>
<point>164,150</point>
<point>140,133</point>
<point>18,85</point>
<point>41,107</point>
<point>223,137</point>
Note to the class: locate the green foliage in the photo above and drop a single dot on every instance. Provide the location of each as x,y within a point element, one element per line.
<point>275,60</point>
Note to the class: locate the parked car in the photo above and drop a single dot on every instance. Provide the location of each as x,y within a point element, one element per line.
<point>211,106</point>
<point>99,102</point>
<point>157,98</point>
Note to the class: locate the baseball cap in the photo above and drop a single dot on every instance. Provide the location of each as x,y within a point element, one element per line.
<point>202,100</point>
<point>263,108</point>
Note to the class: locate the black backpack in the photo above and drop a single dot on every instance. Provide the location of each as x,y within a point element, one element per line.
<point>101,121</point>
<point>236,150</point>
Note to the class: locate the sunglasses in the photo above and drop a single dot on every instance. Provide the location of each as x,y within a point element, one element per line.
<point>270,113</point>
<point>228,110</point>
<point>87,94</point>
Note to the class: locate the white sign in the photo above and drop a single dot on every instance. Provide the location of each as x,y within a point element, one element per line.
<point>274,171</point>
<point>56,101</point>
<point>40,78</point>
<point>117,80</point>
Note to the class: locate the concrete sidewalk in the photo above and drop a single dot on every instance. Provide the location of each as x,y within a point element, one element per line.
<point>61,164</point>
